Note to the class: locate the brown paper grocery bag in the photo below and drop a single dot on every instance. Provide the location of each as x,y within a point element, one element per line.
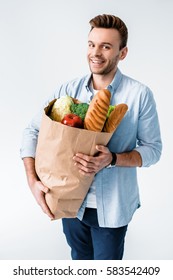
<point>57,144</point>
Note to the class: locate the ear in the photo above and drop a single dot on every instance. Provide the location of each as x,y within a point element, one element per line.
<point>123,53</point>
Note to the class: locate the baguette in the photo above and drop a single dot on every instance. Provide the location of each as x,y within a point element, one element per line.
<point>96,115</point>
<point>115,118</point>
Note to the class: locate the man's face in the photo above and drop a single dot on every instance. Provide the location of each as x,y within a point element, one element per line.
<point>103,50</point>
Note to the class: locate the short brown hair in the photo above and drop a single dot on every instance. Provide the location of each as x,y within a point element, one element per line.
<point>111,21</point>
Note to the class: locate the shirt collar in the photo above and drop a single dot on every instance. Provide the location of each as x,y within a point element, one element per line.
<point>113,85</point>
<point>88,81</point>
<point>115,82</point>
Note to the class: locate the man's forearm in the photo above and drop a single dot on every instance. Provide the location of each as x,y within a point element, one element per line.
<point>129,159</point>
<point>31,174</point>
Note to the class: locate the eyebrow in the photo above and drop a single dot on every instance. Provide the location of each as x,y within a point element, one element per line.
<point>103,43</point>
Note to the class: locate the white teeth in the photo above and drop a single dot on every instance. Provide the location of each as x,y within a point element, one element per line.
<point>96,61</point>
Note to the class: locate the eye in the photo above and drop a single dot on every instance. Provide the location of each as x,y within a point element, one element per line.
<point>106,47</point>
<point>90,45</point>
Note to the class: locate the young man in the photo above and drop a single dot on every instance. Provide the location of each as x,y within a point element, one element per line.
<point>98,231</point>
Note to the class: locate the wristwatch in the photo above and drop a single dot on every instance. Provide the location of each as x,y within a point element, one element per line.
<point>114,160</point>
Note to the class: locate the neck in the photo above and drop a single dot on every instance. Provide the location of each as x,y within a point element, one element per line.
<point>102,81</point>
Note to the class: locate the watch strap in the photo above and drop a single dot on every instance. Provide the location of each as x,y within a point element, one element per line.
<point>114,159</point>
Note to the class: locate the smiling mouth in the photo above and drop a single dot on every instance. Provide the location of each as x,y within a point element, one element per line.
<point>96,61</point>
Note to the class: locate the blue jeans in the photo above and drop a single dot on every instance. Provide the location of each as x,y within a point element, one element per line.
<point>88,241</point>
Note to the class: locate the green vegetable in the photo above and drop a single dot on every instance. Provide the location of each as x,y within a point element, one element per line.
<point>79,109</point>
<point>111,108</point>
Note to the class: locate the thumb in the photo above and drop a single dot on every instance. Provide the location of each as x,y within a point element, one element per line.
<point>43,188</point>
<point>102,149</point>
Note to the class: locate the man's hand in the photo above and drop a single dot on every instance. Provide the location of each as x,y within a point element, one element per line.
<point>90,165</point>
<point>36,186</point>
<point>39,191</point>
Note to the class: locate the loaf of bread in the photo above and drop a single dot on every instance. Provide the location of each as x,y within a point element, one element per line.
<point>96,115</point>
<point>115,118</point>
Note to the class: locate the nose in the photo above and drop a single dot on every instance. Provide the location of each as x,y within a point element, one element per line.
<point>96,51</point>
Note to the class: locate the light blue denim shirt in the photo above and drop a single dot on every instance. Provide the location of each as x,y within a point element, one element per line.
<point>117,192</point>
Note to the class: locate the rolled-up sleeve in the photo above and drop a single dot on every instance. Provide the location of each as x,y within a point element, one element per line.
<point>149,143</point>
<point>30,136</point>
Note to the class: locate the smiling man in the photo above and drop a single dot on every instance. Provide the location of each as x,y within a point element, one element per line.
<point>98,231</point>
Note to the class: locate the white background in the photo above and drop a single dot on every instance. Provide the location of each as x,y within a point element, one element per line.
<point>43,43</point>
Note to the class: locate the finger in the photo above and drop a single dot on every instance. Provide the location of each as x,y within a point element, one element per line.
<point>84,159</point>
<point>87,166</point>
<point>80,156</point>
<point>102,149</point>
<point>46,209</point>
<point>87,169</point>
<point>82,172</point>
<point>43,188</point>
<point>82,163</point>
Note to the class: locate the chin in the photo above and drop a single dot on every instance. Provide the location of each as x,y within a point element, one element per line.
<point>101,72</point>
<point>96,70</point>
